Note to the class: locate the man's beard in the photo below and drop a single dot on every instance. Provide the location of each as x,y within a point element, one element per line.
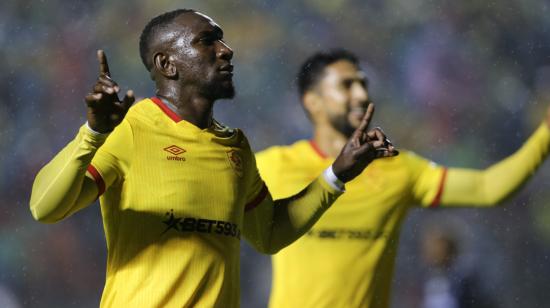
<point>220,90</point>
<point>341,124</point>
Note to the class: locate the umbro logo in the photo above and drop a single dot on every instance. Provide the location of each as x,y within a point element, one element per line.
<point>175,151</point>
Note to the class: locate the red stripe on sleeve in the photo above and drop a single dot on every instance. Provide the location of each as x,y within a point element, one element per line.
<point>98,180</point>
<point>259,198</point>
<point>437,198</point>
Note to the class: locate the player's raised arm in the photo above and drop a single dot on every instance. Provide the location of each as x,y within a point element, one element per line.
<point>105,109</point>
<point>484,187</point>
<point>62,187</point>
<point>272,225</point>
<point>490,186</point>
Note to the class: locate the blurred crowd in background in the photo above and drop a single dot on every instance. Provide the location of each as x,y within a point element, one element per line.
<point>461,82</point>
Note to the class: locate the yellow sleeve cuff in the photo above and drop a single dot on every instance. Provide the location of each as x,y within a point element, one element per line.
<point>91,137</point>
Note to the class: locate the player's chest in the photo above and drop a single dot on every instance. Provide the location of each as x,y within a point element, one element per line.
<point>381,190</point>
<point>367,212</point>
<point>190,175</point>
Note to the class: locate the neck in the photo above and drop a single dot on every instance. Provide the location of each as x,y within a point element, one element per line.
<point>329,140</point>
<point>191,106</point>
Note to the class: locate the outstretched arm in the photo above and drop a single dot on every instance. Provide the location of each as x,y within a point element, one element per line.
<point>272,225</point>
<point>64,186</point>
<point>490,186</point>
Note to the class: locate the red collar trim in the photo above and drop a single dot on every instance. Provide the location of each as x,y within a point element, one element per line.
<point>171,114</point>
<point>317,149</point>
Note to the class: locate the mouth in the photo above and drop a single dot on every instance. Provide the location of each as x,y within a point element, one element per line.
<point>358,112</point>
<point>226,69</point>
<point>355,115</point>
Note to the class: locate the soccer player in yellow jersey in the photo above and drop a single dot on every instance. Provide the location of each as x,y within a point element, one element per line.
<point>347,258</point>
<point>177,189</point>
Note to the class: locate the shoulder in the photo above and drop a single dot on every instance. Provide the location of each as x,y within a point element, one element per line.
<point>142,110</point>
<point>284,152</point>
<point>146,113</point>
<point>410,158</point>
<point>223,131</point>
<point>407,161</point>
<point>417,165</point>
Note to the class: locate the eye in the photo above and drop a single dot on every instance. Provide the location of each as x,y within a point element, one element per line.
<point>347,83</point>
<point>210,38</point>
<point>207,40</point>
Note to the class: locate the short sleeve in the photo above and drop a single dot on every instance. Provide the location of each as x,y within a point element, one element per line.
<point>112,160</point>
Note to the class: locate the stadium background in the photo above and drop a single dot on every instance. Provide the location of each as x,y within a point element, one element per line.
<point>460,82</point>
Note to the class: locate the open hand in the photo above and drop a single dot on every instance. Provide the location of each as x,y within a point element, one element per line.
<point>105,110</point>
<point>361,149</point>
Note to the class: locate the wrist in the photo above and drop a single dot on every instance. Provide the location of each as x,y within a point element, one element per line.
<point>94,132</point>
<point>331,178</point>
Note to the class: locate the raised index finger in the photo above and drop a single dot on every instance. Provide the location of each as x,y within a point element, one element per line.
<point>366,119</point>
<point>103,65</point>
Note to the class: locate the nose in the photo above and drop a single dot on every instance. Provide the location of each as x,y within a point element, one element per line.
<point>359,93</point>
<point>224,51</point>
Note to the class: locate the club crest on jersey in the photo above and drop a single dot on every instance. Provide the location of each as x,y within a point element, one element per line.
<point>175,151</point>
<point>236,161</point>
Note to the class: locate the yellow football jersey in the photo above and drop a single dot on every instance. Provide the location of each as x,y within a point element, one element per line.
<point>175,201</point>
<point>347,258</point>
<point>173,210</point>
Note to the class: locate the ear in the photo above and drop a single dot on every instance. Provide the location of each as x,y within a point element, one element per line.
<point>164,65</point>
<point>312,103</point>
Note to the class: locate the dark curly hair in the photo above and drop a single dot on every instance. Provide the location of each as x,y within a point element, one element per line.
<point>312,69</point>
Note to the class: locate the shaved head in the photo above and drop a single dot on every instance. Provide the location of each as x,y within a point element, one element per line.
<point>150,35</point>
<point>184,49</point>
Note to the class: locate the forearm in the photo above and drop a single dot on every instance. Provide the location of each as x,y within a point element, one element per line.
<point>61,186</point>
<point>492,185</point>
<point>294,216</point>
